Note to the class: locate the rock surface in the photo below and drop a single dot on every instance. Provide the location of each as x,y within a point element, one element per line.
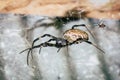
<point>91,8</point>
<point>80,62</point>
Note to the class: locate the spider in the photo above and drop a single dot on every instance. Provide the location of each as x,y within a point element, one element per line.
<point>70,37</point>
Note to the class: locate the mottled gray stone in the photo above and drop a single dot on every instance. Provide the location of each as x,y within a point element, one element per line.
<point>80,62</point>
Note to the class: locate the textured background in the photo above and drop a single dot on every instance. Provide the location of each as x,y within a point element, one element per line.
<point>80,62</point>
<point>92,8</point>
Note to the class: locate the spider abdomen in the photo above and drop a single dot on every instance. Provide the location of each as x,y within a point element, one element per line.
<point>74,34</point>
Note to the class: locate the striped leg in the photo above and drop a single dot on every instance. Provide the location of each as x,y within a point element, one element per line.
<point>48,35</point>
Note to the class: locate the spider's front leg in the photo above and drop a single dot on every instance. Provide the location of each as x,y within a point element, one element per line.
<point>45,35</point>
<point>29,50</point>
<point>45,44</point>
<point>48,35</point>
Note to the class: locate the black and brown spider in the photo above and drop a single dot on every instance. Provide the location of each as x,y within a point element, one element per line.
<point>70,37</point>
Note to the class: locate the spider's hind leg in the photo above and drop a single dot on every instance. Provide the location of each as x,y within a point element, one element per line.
<point>95,46</point>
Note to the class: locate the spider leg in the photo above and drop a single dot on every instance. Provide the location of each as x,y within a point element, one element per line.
<point>40,50</point>
<point>28,56</point>
<point>48,35</point>
<point>42,37</point>
<point>55,45</point>
<point>46,42</point>
<point>67,49</point>
<point>30,49</point>
<point>95,46</point>
<point>88,43</point>
<point>73,27</point>
<point>33,45</point>
<point>58,50</point>
<point>24,50</point>
<point>63,46</point>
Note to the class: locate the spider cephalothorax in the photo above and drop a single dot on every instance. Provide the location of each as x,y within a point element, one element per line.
<point>71,36</point>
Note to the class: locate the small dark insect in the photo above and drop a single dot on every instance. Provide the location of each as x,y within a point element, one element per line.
<point>101,24</point>
<point>70,37</point>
